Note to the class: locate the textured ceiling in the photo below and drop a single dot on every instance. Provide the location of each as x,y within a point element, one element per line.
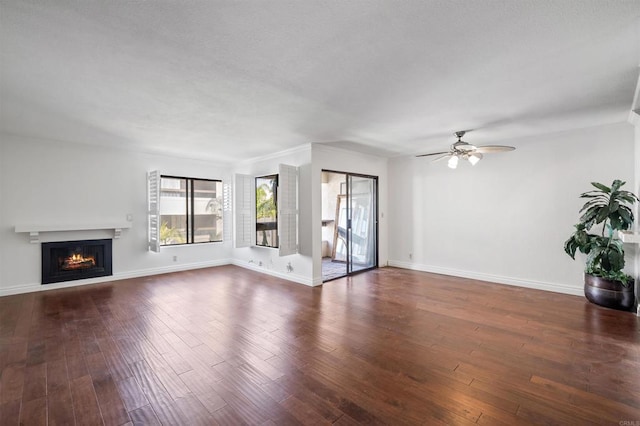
<point>227,80</point>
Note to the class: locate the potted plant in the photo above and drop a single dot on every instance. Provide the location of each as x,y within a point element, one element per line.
<point>609,210</point>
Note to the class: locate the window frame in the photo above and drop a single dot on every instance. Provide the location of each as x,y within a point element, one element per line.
<point>276,177</point>
<point>244,196</point>
<point>190,210</point>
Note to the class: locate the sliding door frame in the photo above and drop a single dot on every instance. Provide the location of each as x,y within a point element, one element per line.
<point>349,265</point>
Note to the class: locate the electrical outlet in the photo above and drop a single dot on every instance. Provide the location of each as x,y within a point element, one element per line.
<point>129,217</point>
<point>289,267</point>
<point>175,258</point>
<point>411,256</point>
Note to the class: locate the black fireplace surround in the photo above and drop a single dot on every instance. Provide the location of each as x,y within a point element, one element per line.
<point>75,260</point>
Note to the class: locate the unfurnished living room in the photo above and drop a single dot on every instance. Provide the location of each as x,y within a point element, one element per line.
<point>319,212</point>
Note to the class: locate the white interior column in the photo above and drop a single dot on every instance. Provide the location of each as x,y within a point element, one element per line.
<point>634,118</point>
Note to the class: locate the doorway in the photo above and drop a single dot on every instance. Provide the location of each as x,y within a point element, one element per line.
<point>349,223</point>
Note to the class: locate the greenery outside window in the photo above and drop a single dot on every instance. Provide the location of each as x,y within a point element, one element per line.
<point>266,211</point>
<point>190,210</point>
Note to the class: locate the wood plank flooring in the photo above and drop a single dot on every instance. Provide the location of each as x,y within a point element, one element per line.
<point>230,346</point>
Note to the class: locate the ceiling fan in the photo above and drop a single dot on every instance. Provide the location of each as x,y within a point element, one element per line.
<point>466,151</point>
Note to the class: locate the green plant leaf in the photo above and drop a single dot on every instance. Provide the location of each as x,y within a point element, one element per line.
<point>627,218</point>
<point>601,187</point>
<point>627,198</point>
<point>616,260</point>
<point>602,215</point>
<point>624,279</point>
<point>570,247</point>
<point>581,238</point>
<point>616,222</point>
<point>592,203</point>
<point>593,195</point>
<point>616,185</point>
<point>589,215</point>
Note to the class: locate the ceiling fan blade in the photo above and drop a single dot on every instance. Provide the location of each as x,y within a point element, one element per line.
<point>447,155</point>
<point>490,149</point>
<point>433,153</point>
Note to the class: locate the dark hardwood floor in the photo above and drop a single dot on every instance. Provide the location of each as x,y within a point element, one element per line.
<point>230,346</point>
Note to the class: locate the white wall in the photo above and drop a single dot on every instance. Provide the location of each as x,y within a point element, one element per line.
<point>634,119</point>
<point>339,160</point>
<point>4,181</point>
<point>310,159</point>
<point>635,250</point>
<point>51,182</point>
<point>48,182</point>
<point>506,219</point>
<point>266,259</point>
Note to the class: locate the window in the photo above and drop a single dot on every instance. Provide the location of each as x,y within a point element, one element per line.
<point>266,211</point>
<point>190,210</point>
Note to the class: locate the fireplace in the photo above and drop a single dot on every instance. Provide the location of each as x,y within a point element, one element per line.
<point>75,260</point>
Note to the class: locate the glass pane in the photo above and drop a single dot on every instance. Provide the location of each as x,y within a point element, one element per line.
<point>362,235</point>
<point>334,225</point>
<point>266,211</point>
<point>173,211</point>
<point>207,211</point>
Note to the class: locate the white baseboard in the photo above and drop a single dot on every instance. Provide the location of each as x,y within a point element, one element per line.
<point>172,268</point>
<point>538,285</point>
<point>301,279</point>
<point>30,288</point>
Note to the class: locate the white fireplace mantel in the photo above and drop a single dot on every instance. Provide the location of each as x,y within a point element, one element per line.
<point>35,230</point>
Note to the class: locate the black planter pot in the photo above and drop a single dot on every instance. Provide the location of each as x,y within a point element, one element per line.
<point>610,294</point>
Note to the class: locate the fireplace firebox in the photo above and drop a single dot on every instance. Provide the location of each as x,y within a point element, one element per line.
<point>75,260</point>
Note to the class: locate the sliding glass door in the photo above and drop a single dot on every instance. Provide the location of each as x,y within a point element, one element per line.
<point>362,223</point>
<point>349,224</point>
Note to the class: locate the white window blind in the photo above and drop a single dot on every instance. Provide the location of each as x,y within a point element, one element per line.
<point>245,210</point>
<point>153,195</point>
<point>288,209</point>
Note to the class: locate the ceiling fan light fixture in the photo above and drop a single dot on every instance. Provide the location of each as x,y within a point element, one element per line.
<point>474,158</point>
<point>453,162</point>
